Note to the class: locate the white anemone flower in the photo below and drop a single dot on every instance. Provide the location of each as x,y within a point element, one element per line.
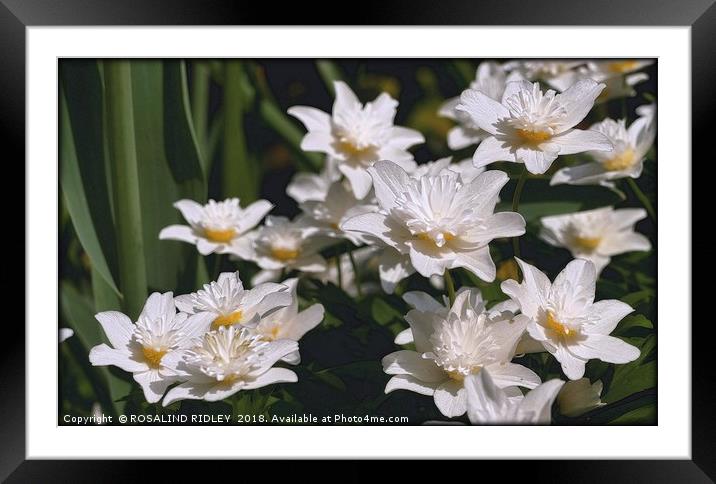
<point>228,360</point>
<point>290,323</point>
<point>338,206</point>
<point>450,347</point>
<point>355,136</point>
<point>311,186</point>
<point>150,348</point>
<point>229,303</point>
<point>533,127</point>
<point>435,223</point>
<point>425,303</point>
<point>490,79</point>
<point>65,333</point>
<point>596,235</point>
<point>216,226</point>
<point>281,244</point>
<point>565,319</point>
<point>487,403</point>
<point>537,70</point>
<point>579,397</point>
<point>626,160</point>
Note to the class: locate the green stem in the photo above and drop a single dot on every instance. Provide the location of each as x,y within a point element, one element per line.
<point>450,285</point>
<point>217,267</point>
<point>123,159</point>
<point>642,197</point>
<point>200,103</point>
<point>516,205</point>
<point>356,274</point>
<point>329,72</point>
<point>339,271</point>
<point>238,172</point>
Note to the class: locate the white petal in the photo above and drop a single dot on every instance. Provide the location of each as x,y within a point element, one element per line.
<point>404,337</point>
<point>186,391</point>
<point>451,399</point>
<point>578,141</point>
<point>64,333</point>
<point>273,375</point>
<point>405,137</point>
<point>346,101</point>
<point>252,215</point>
<point>117,326</point>
<point>274,352</point>
<point>153,385</point>
<point>539,401</point>
<point>422,301</point>
<point>584,174</point>
<point>318,141</point>
<point>313,119</point>
<point>360,180</point>
<point>407,382</point>
<point>422,324</point>
<point>405,362</point>
<point>182,233</point>
<point>533,293</point>
<point>511,374</point>
<point>605,348</point>
<point>379,226</point>
<point>490,150</point>
<point>460,137</point>
<point>393,267</point>
<point>103,355</point>
<point>484,111</point>
<point>537,161</point>
<point>306,320</point>
<point>575,285</point>
<point>159,306</point>
<point>486,403</point>
<point>624,242</point>
<point>190,210</point>
<point>479,262</point>
<point>389,181</point>
<point>578,100</point>
<point>572,366</point>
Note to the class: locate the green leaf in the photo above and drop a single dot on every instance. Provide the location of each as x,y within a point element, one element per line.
<point>635,376</point>
<point>170,168</point>
<point>125,181</point>
<point>329,72</point>
<point>645,415</point>
<point>630,325</point>
<point>83,177</point>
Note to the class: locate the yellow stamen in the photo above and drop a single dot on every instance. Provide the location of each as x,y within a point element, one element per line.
<point>153,357</point>
<point>227,320</point>
<point>221,236</point>
<point>556,326</point>
<point>427,238</point>
<point>456,375</point>
<point>354,151</point>
<point>228,380</point>
<point>284,254</point>
<point>588,243</point>
<point>533,137</point>
<point>622,66</point>
<point>622,161</point>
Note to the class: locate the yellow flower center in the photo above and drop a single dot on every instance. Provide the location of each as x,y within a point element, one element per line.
<point>533,137</point>
<point>353,151</point>
<point>228,380</point>
<point>427,238</point>
<point>622,66</point>
<point>458,376</point>
<point>588,243</point>
<point>152,356</point>
<point>221,236</point>
<point>558,327</point>
<point>284,254</point>
<point>227,320</point>
<point>622,161</point>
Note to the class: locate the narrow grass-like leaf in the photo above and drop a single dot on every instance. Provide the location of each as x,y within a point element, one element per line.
<point>329,72</point>
<point>82,182</point>
<point>125,178</point>
<point>239,174</point>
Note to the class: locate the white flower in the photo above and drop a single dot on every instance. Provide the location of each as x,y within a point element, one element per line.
<point>435,223</point>
<point>626,160</point>
<point>619,77</point>
<point>565,319</point>
<point>311,186</point>
<point>216,226</point>
<point>338,206</point>
<point>355,136</point>
<point>65,333</point>
<point>425,303</point>
<point>491,80</point>
<point>228,360</point>
<point>284,244</point>
<point>289,323</point>
<point>580,396</point>
<point>229,303</point>
<point>596,235</point>
<point>149,349</point>
<point>453,346</point>
<point>487,403</point>
<point>533,127</point>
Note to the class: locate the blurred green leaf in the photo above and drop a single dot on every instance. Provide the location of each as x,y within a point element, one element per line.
<point>635,376</point>
<point>170,166</point>
<point>83,179</point>
<point>329,72</point>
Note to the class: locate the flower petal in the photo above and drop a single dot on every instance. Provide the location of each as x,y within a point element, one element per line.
<point>389,181</point>
<point>578,100</point>
<point>273,375</point>
<point>605,348</point>
<point>451,398</point>
<point>190,210</point>
<point>577,141</point>
<point>490,150</point>
<point>407,382</point>
<point>405,362</point>
<point>182,233</point>
<point>117,326</point>
<point>361,182</point>
<point>313,119</point>
<point>533,293</point>
<point>484,111</point>
<point>511,374</point>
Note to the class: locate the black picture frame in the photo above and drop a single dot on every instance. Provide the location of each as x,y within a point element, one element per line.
<point>16,15</point>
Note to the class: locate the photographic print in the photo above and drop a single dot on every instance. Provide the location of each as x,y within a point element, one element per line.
<point>357,241</point>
